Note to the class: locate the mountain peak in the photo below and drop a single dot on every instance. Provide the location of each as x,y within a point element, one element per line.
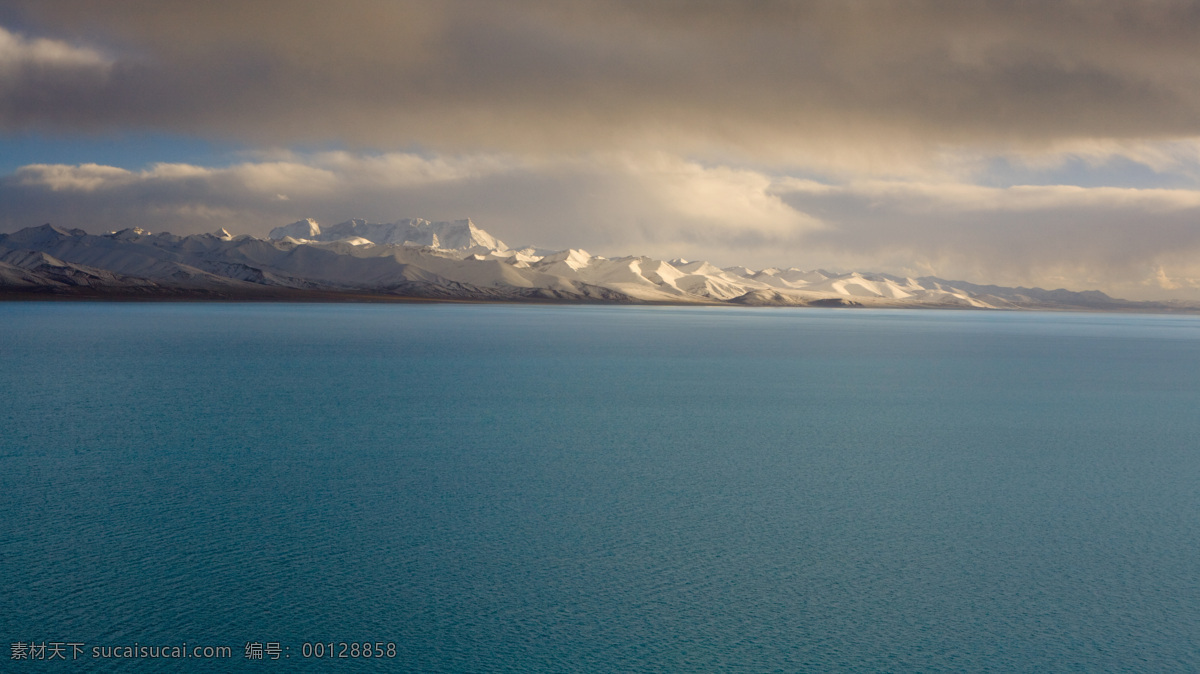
<point>59,230</point>
<point>456,235</point>
<point>41,235</point>
<point>300,229</point>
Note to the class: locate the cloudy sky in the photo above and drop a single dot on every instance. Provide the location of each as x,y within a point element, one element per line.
<point>1014,142</point>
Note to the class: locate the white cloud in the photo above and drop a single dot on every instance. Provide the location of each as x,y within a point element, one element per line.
<point>82,178</point>
<point>18,52</point>
<point>717,197</point>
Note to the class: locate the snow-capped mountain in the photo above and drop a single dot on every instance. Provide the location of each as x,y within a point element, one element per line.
<point>415,258</point>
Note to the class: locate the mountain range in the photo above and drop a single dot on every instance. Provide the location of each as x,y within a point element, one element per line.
<point>416,259</point>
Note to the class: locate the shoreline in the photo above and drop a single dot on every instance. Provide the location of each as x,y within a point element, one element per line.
<point>298,296</point>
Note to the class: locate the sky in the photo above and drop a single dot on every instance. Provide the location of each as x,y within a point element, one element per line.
<point>1013,142</point>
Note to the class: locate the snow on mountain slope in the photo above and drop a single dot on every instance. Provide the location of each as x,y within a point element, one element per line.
<point>30,269</point>
<point>416,257</point>
<point>568,261</point>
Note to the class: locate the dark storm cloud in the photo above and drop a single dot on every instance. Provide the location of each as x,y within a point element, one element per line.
<point>761,77</point>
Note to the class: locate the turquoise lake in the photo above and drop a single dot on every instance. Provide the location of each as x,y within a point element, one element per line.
<point>592,489</point>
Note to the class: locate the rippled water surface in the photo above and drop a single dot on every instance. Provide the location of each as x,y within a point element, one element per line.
<point>518,488</point>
